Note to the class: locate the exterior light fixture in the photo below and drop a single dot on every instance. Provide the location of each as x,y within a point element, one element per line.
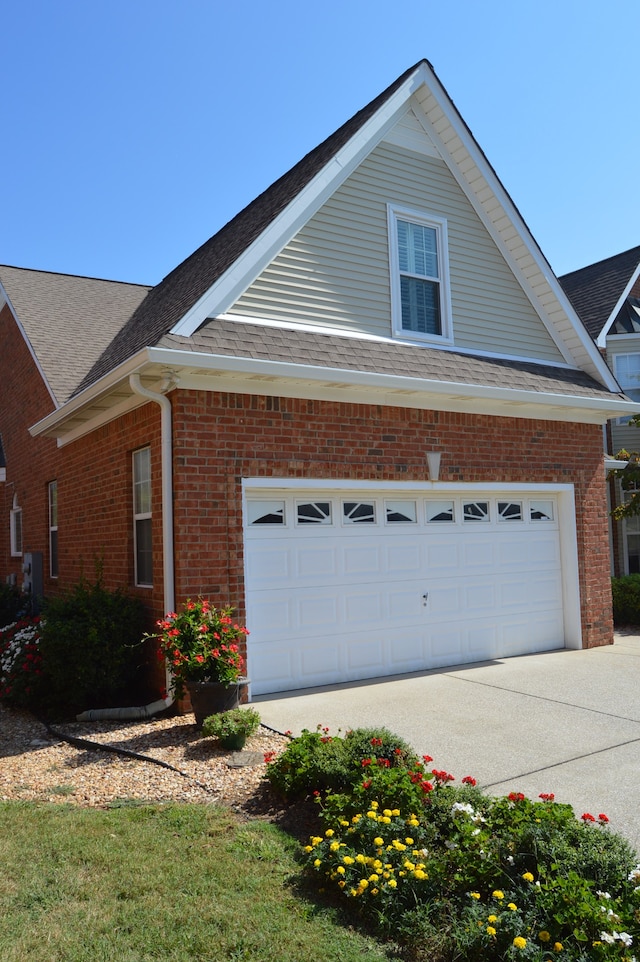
<point>433,461</point>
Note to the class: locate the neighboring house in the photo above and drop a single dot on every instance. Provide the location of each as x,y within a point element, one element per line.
<point>606,296</point>
<point>264,426</point>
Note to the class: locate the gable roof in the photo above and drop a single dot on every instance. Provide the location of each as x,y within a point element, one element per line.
<point>598,291</point>
<point>68,321</point>
<point>207,283</point>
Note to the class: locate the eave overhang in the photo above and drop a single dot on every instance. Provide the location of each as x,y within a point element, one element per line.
<point>164,369</point>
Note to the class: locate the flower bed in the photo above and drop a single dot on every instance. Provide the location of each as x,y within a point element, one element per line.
<point>454,874</point>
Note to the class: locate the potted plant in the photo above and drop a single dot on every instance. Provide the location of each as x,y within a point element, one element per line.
<point>201,644</point>
<point>233,727</point>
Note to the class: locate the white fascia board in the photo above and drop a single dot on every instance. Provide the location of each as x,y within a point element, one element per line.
<point>505,202</point>
<point>605,408</point>
<point>91,394</point>
<point>602,336</point>
<point>228,288</point>
<point>5,299</point>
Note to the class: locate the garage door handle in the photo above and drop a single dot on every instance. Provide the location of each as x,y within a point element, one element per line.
<point>425,598</point>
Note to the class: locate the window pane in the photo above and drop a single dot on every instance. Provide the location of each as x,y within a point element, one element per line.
<point>475,511</point>
<point>509,511</point>
<point>401,512</point>
<point>417,249</point>
<point>541,510</point>
<point>420,305</point>
<point>359,512</point>
<point>144,556</point>
<point>53,553</point>
<point>142,481</point>
<point>53,504</point>
<point>314,512</point>
<point>439,511</point>
<point>265,512</point>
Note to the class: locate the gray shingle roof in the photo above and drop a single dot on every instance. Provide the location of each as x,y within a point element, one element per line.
<point>263,342</point>
<point>595,290</point>
<point>167,303</point>
<point>68,320</point>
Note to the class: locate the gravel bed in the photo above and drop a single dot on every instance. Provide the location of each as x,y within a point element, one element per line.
<point>37,765</point>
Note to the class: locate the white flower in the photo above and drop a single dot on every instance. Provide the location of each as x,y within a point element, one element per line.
<point>461,807</point>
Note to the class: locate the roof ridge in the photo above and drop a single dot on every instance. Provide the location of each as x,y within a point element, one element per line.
<point>82,277</point>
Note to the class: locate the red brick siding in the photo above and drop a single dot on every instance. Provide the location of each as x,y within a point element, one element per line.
<point>31,463</point>
<point>221,438</point>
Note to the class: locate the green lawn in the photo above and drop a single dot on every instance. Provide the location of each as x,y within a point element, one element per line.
<point>174,883</point>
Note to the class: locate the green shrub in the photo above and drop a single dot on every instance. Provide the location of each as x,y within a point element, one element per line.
<point>320,762</point>
<point>13,604</point>
<point>90,649</point>
<point>626,600</point>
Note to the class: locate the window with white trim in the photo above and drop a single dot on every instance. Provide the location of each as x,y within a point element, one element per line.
<point>627,371</point>
<point>420,300</point>
<point>15,522</point>
<point>143,550</point>
<point>53,529</point>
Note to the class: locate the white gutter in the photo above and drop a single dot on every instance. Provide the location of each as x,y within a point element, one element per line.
<point>166,457</point>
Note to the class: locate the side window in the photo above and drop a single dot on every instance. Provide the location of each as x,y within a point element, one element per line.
<point>627,371</point>
<point>15,520</point>
<point>419,267</point>
<point>143,553</point>
<point>53,529</point>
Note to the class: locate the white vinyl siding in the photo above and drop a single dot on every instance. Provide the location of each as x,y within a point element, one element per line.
<point>335,271</point>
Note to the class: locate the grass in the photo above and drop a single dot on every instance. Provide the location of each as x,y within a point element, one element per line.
<point>156,883</point>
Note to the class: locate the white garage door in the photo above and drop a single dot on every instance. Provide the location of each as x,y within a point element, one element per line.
<point>342,586</point>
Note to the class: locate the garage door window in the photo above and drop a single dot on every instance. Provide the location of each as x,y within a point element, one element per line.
<point>541,510</point>
<point>313,512</point>
<point>440,511</point>
<point>475,511</point>
<point>400,512</point>
<point>509,511</point>
<point>359,512</point>
<point>266,512</point>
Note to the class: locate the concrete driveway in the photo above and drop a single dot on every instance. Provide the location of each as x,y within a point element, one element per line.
<point>566,722</point>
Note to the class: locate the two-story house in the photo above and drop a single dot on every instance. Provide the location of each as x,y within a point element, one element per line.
<point>364,412</point>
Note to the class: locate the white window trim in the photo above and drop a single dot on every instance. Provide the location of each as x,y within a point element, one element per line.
<point>14,514</point>
<point>53,485</point>
<point>141,516</point>
<point>439,224</point>
<point>616,358</point>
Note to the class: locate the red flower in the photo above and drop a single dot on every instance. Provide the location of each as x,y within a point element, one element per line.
<point>268,757</point>
<point>397,751</point>
<point>515,797</point>
<point>384,763</point>
<point>365,762</point>
<point>587,817</point>
<point>602,818</point>
<point>546,796</point>
<point>367,784</point>
<point>376,741</point>
<point>199,658</point>
<point>427,759</point>
<point>442,776</point>
<point>426,786</point>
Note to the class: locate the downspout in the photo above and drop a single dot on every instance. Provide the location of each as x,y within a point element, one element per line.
<point>166,460</point>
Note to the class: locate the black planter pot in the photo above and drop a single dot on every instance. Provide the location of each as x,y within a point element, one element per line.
<point>212,697</point>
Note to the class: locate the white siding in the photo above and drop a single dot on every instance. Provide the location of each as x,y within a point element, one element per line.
<point>623,435</point>
<point>335,272</point>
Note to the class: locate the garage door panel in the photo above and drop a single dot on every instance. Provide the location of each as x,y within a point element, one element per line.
<point>334,602</point>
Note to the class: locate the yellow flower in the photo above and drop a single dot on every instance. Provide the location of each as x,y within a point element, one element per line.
<point>329,832</point>
<point>490,930</point>
<point>317,862</point>
<point>396,812</point>
<point>528,877</point>
<point>364,883</point>
<point>519,942</point>
<point>492,918</point>
<point>387,812</point>
<point>334,846</point>
<point>413,822</point>
<point>378,841</point>
<point>374,878</point>
<point>340,870</point>
<point>374,805</point>
<point>420,875</point>
<point>384,819</point>
<point>347,860</point>
<point>557,946</point>
<point>409,841</point>
<point>392,883</point>
<point>360,859</point>
<point>497,894</point>
<point>371,814</point>
<point>342,883</point>
<point>343,823</point>
<point>544,936</point>
<point>474,895</point>
<point>374,891</point>
<point>308,848</point>
<point>512,907</point>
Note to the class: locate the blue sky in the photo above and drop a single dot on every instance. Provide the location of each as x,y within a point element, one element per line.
<point>132,130</point>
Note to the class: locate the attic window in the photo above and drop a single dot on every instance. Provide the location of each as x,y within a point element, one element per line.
<point>420,300</point>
